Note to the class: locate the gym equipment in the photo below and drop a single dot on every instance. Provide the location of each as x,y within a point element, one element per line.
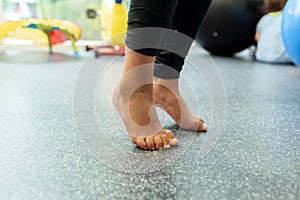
<point>290,30</point>
<point>229,26</point>
<point>113,20</point>
<point>42,31</point>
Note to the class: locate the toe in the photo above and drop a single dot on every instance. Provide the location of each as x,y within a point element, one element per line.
<point>150,143</point>
<point>172,140</point>
<point>165,141</point>
<point>202,126</point>
<point>141,143</point>
<point>201,120</point>
<point>158,142</point>
<point>169,134</point>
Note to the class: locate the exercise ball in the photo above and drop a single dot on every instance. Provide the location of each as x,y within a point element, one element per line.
<point>291,29</point>
<point>229,26</point>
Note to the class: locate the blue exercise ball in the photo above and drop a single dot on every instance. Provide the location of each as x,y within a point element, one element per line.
<point>291,29</point>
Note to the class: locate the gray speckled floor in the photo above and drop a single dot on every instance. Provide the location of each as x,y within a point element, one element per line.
<point>48,151</point>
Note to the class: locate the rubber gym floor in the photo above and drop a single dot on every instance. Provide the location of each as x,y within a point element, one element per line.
<point>60,137</point>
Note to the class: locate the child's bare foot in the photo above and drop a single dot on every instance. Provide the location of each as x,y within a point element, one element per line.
<point>137,110</point>
<point>167,96</point>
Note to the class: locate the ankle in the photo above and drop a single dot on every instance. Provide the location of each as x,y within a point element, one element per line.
<point>171,84</point>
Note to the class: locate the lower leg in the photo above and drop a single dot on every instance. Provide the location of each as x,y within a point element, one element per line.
<point>169,65</point>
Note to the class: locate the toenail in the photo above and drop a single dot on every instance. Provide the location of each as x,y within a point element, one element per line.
<point>166,146</point>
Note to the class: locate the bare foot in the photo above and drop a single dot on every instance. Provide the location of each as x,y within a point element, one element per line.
<point>168,97</point>
<point>137,110</point>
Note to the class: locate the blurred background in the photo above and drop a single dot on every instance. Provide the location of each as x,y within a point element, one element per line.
<point>73,10</point>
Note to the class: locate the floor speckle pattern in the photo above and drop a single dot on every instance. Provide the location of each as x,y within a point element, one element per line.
<point>45,154</point>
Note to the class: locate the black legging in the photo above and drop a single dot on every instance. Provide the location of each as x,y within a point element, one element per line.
<point>184,16</point>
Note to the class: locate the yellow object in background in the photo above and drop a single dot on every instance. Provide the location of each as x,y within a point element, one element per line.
<point>35,35</point>
<point>6,28</point>
<point>42,31</point>
<point>113,19</point>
